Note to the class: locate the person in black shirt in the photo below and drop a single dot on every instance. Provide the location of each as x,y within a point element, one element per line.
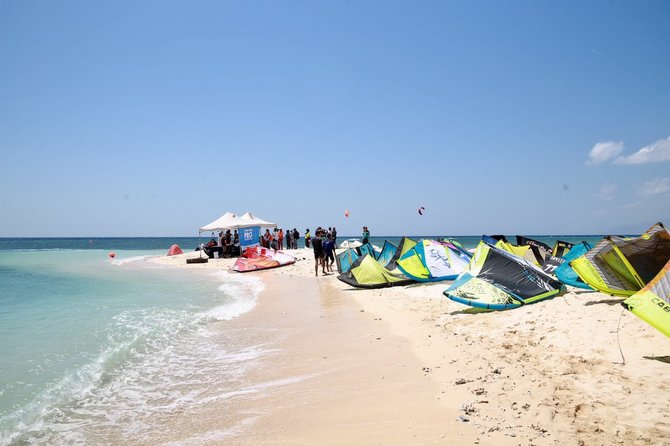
<point>296,237</point>
<point>317,245</point>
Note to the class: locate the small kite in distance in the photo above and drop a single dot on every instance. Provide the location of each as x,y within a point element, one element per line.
<point>421,209</point>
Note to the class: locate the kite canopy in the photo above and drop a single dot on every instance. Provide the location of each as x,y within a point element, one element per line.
<point>520,251</point>
<point>346,259</point>
<point>561,248</point>
<point>404,245</point>
<point>540,250</point>
<point>367,248</point>
<point>432,261</point>
<point>652,303</point>
<point>256,258</point>
<point>622,266</point>
<point>387,253</point>
<point>498,280</point>
<point>366,272</point>
<point>564,271</point>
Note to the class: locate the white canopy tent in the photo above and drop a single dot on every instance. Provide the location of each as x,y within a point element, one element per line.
<point>255,221</point>
<point>231,221</point>
<point>226,221</point>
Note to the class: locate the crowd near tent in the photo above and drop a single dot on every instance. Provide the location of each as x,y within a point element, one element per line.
<point>248,225</point>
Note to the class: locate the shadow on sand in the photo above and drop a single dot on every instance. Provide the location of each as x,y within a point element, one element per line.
<point>665,359</point>
<point>610,302</point>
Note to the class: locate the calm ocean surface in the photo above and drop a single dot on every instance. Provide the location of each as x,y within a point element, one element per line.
<point>90,343</point>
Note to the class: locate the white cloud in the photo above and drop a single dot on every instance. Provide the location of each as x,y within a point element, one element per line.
<point>655,186</point>
<point>653,153</point>
<point>604,151</point>
<point>606,192</point>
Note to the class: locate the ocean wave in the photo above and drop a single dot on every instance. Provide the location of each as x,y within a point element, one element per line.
<point>242,292</point>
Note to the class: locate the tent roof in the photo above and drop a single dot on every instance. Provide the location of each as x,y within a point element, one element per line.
<point>231,221</point>
<point>250,219</point>
<point>226,221</point>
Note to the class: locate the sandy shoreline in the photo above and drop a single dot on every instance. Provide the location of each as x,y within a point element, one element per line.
<point>405,365</point>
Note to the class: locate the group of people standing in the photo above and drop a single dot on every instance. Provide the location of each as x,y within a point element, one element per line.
<point>323,244</point>
<point>275,239</point>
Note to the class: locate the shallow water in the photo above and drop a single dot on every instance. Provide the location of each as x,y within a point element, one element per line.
<point>89,342</point>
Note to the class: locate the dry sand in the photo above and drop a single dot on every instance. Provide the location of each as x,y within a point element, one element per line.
<point>405,365</point>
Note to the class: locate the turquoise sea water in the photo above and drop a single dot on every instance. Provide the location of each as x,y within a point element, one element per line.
<point>88,342</point>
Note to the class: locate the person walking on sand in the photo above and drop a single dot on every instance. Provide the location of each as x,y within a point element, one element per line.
<point>366,235</point>
<point>308,238</point>
<point>317,245</point>
<point>280,236</point>
<point>329,253</point>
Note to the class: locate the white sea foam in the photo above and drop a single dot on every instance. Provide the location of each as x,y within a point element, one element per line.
<point>119,262</point>
<point>242,292</point>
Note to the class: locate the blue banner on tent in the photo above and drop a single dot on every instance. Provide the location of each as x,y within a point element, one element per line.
<point>249,236</point>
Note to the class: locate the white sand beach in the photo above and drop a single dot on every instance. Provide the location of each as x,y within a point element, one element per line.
<point>405,365</point>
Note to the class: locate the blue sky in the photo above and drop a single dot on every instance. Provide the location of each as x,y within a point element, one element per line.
<point>155,117</point>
